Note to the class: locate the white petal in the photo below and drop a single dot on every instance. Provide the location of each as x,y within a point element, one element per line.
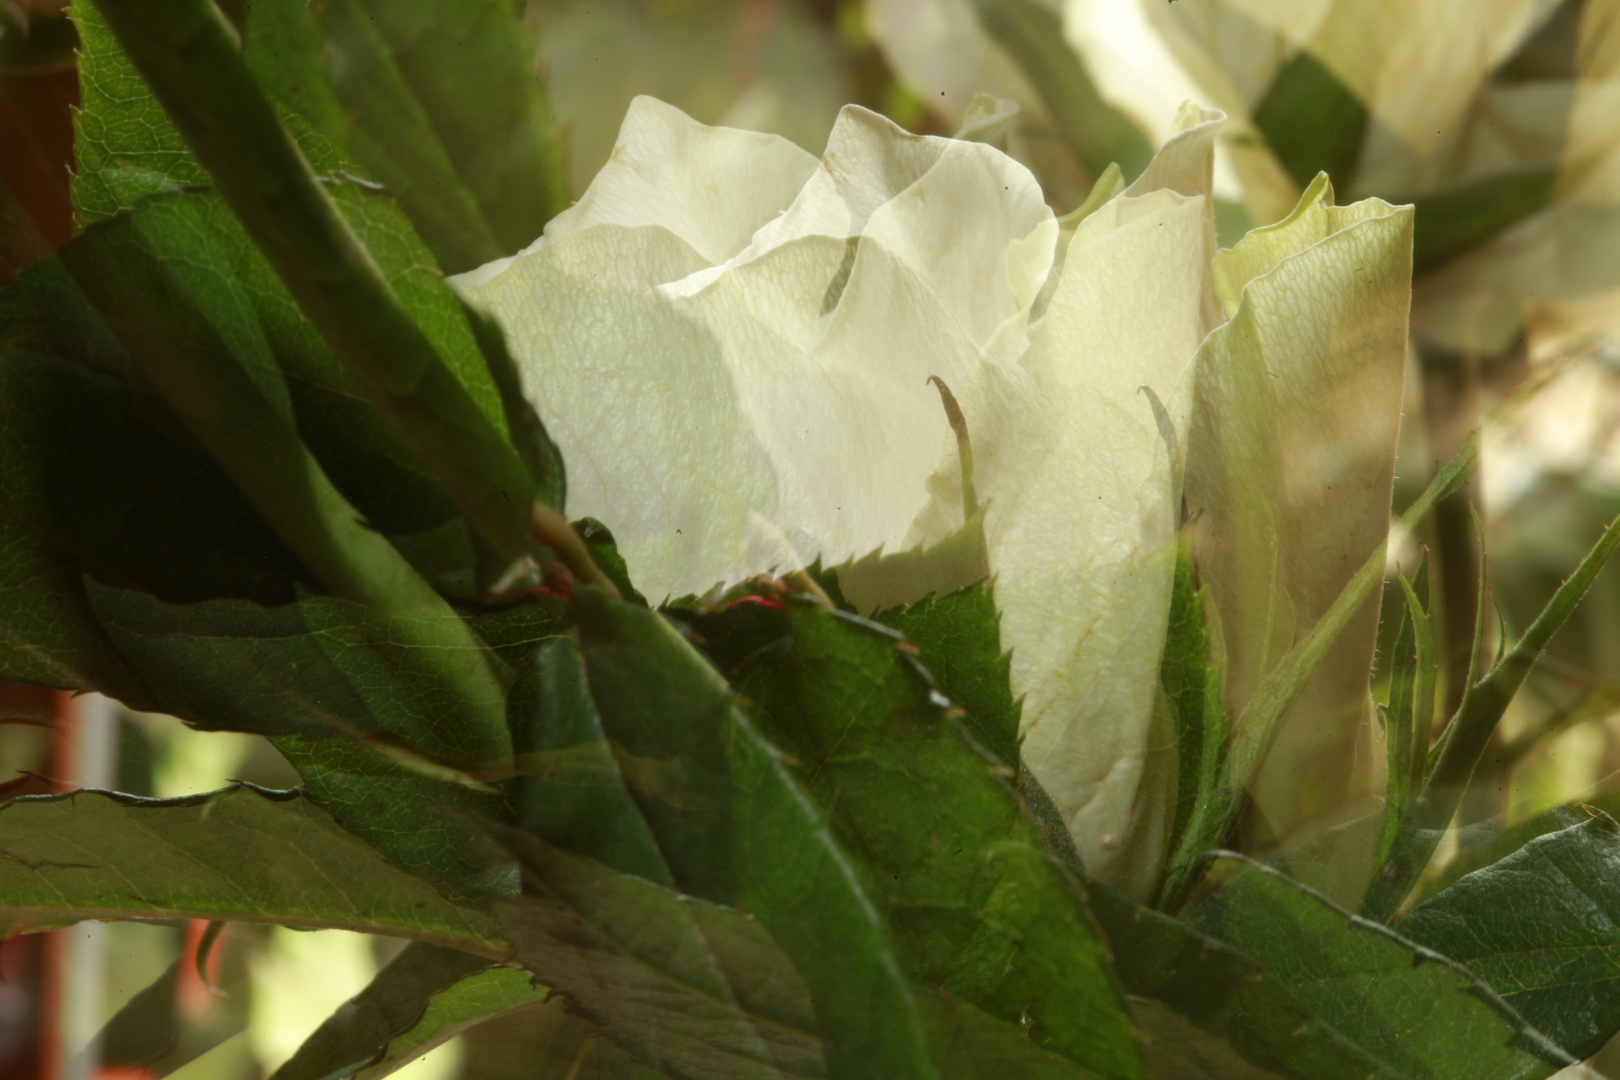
<point>1082,512</point>
<point>640,400</point>
<point>713,187</point>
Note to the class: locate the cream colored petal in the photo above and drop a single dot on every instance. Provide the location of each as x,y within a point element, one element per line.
<point>727,184</point>
<point>786,389</point>
<point>639,397</point>
<point>840,410</point>
<point>1290,461</point>
<point>1186,162</point>
<point>940,183</point>
<point>1313,220</point>
<point>1081,512</point>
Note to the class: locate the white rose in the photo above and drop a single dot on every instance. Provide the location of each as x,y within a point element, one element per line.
<point>731,342</point>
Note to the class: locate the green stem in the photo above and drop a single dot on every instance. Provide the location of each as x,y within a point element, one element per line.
<point>1254,731</point>
<point>1470,733</point>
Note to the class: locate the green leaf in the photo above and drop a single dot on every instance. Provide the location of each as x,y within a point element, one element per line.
<point>232,665</point>
<point>958,639</point>
<point>1098,133</point>
<point>970,1044</point>
<point>1484,844</point>
<point>471,72</point>
<point>686,987</point>
<point>1415,1012</point>
<point>164,278</point>
<point>1191,677</point>
<point>1223,993</point>
<point>575,791</point>
<point>241,854</point>
<point>187,53</point>
<point>605,553</point>
<point>975,906</point>
<point>1312,123</point>
<point>735,827</point>
<point>96,475</point>
<point>1543,927</point>
<point>124,147</point>
<point>441,108</point>
<point>363,100</point>
<point>425,995</point>
<point>545,1042</point>
<point>420,822</point>
<point>486,996</point>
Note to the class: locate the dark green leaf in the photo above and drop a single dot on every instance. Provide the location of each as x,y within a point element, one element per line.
<point>409,1007</point>
<point>1484,844</point>
<point>1409,713</point>
<point>1543,927</point>
<point>970,1044</point>
<point>384,124</point>
<point>1312,123</point>
<point>575,787</point>
<point>241,854</point>
<point>605,551</point>
<point>470,71</point>
<point>232,665</point>
<point>405,112</point>
<point>164,277</point>
<point>734,826</point>
<point>188,55</point>
<point>1225,994</point>
<point>426,825</point>
<point>975,905</point>
<point>1413,1011</point>
<point>958,639</point>
<point>96,475</point>
<point>689,988</point>
<point>544,1042</point>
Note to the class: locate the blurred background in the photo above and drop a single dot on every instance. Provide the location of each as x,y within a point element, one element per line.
<point>1499,119</point>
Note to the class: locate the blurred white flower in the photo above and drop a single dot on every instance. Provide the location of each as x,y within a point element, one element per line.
<point>1517,171</point>
<point>731,342</point>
